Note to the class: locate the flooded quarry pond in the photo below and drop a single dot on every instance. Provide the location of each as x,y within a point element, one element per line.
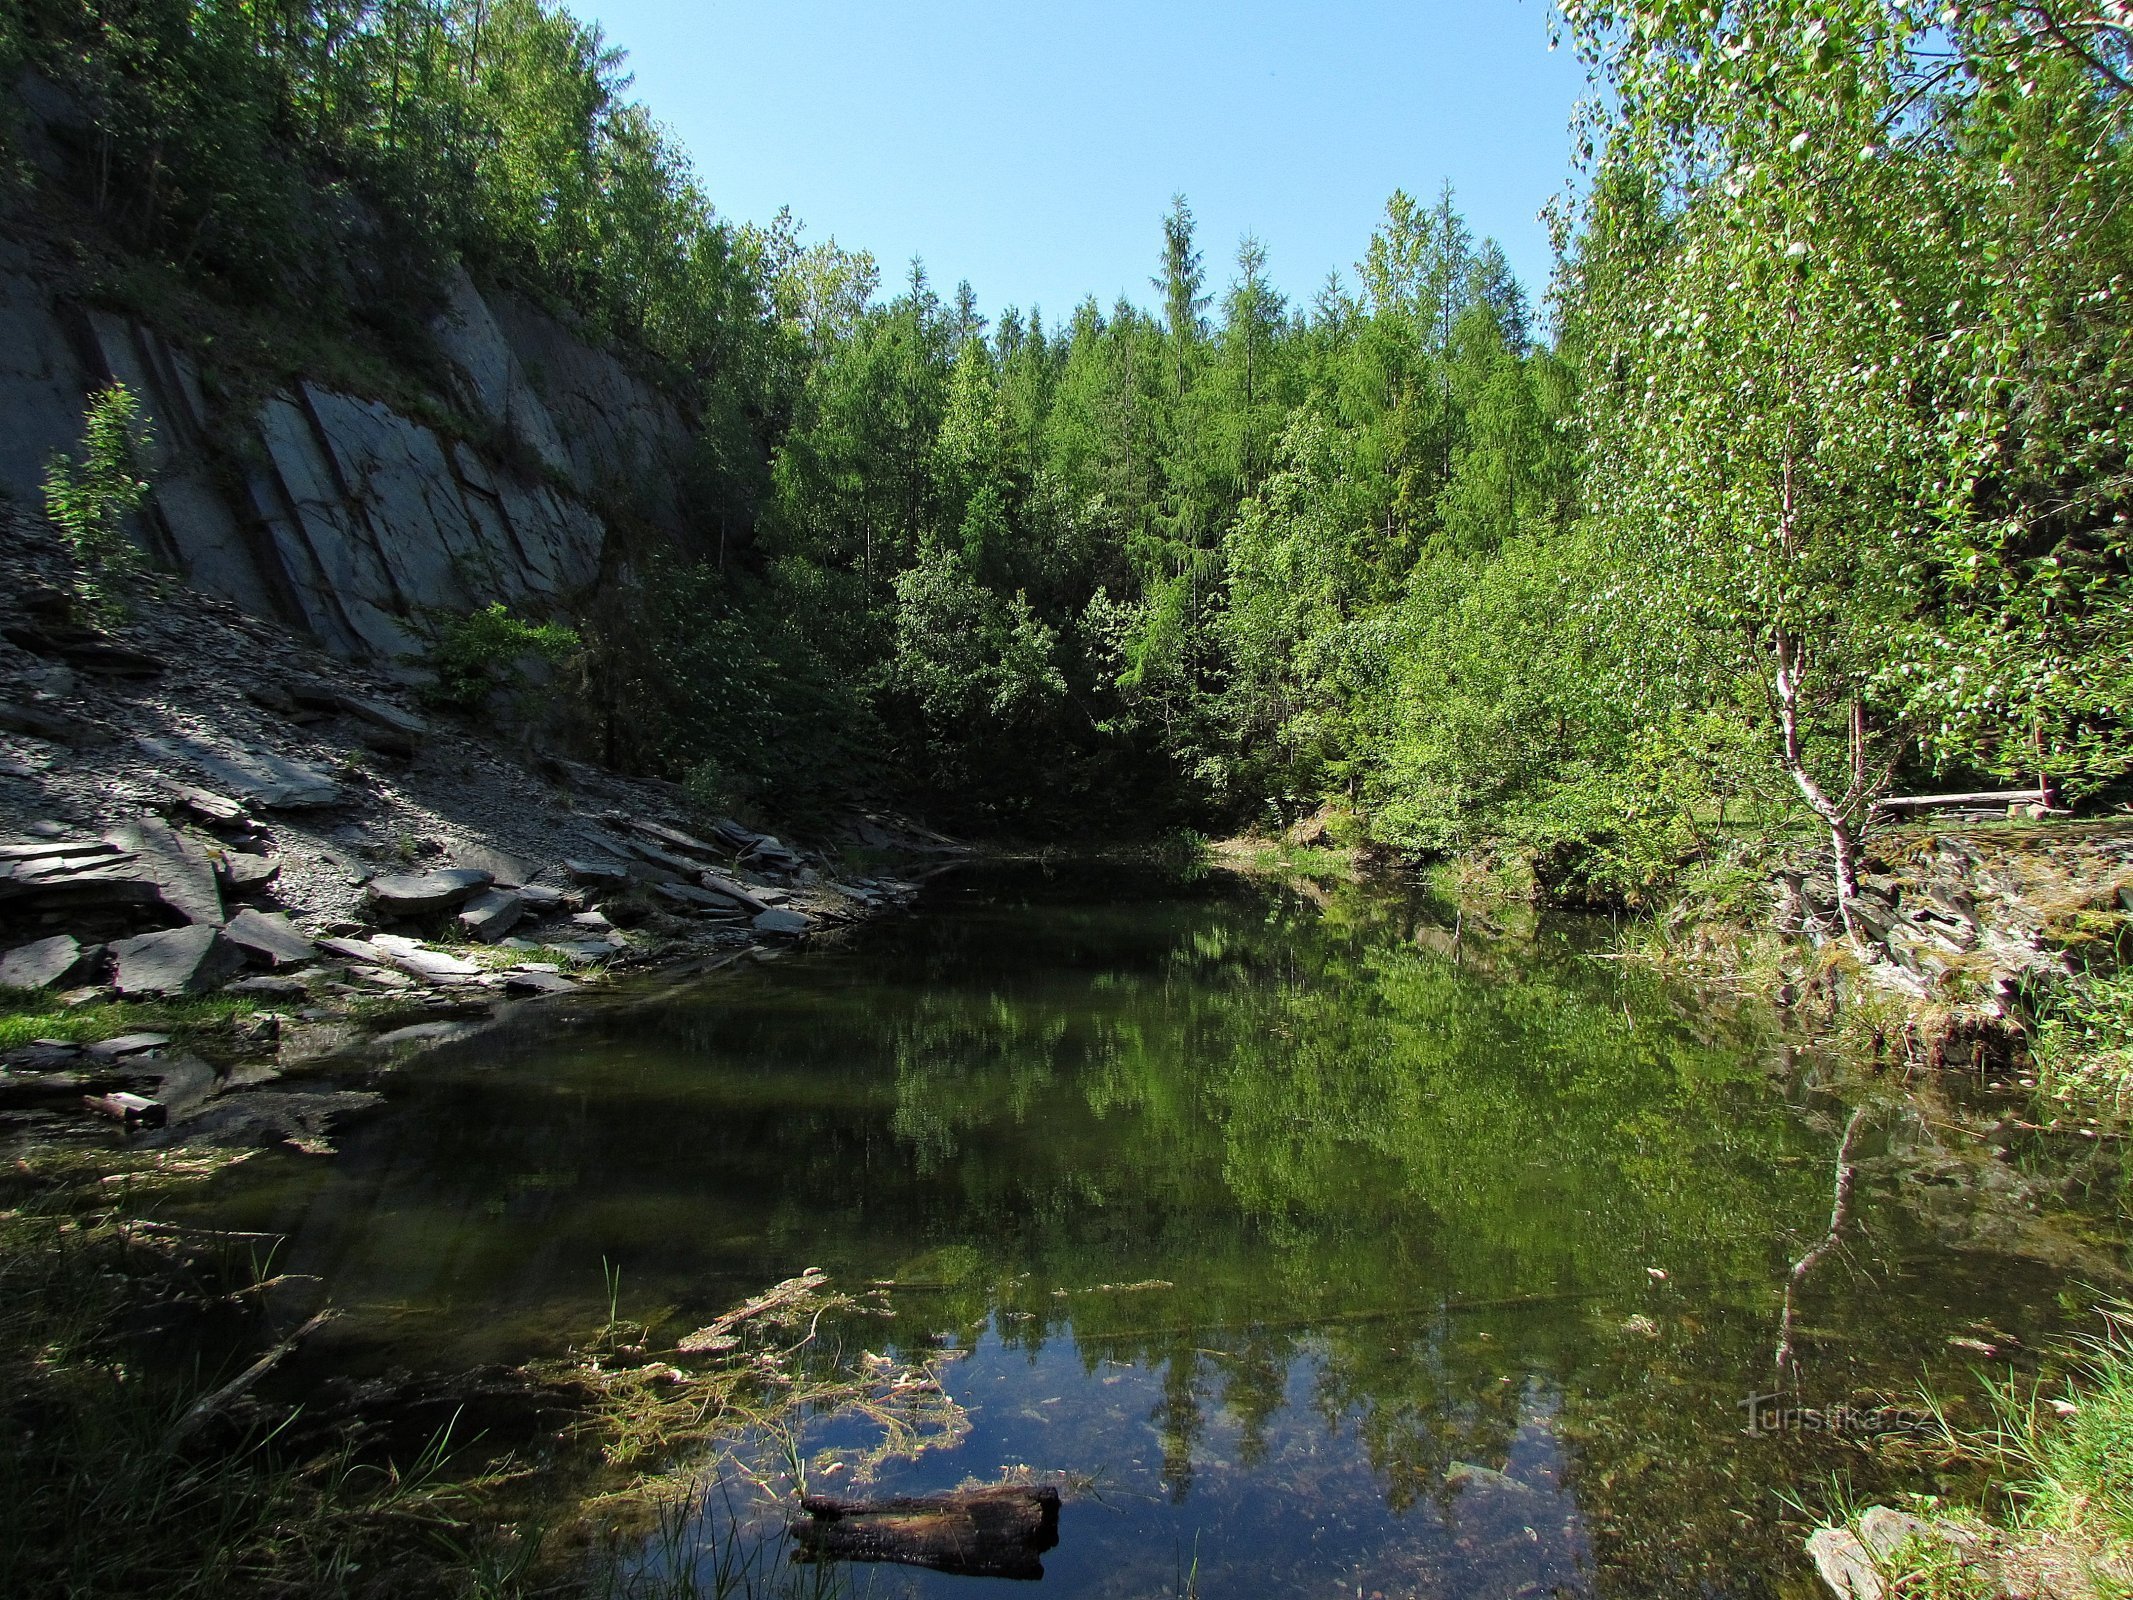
<point>1316,1247</point>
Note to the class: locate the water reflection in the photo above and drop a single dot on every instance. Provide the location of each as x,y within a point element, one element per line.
<point>1340,1252</point>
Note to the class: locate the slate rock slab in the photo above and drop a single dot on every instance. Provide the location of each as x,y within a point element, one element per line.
<point>419,960</point>
<point>188,960</point>
<point>491,914</point>
<point>265,779</point>
<point>782,924</point>
<point>537,983</point>
<point>184,874</point>
<point>242,872</point>
<point>414,894</point>
<point>270,938</point>
<point>44,964</point>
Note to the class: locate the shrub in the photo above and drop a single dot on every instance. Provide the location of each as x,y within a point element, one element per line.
<point>487,650</point>
<point>89,500</point>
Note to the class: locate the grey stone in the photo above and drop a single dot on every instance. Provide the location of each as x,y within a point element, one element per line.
<point>261,777</point>
<point>43,965</point>
<point>599,872</point>
<point>1853,1563</point>
<point>505,871</point>
<point>55,849</point>
<point>490,915</point>
<point>242,872</point>
<point>732,891</point>
<point>688,894</point>
<point>206,804</point>
<point>267,987</point>
<point>269,937</point>
<point>782,924</point>
<point>128,1044</point>
<point>174,961</point>
<point>184,873</point>
<point>19,717</point>
<point>540,897</point>
<point>537,983</point>
<point>675,838</point>
<point>420,961</point>
<point>417,893</point>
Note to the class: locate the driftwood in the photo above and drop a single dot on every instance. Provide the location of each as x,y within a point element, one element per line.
<point>207,1406</point>
<point>136,1111</point>
<point>719,1336</point>
<point>975,1533</point>
<point>1977,797</point>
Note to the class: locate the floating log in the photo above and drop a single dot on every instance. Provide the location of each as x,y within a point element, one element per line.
<point>1976,797</point>
<point>136,1111</point>
<point>718,1337</point>
<point>973,1533</point>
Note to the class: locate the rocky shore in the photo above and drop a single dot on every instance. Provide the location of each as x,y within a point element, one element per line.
<point>204,817</point>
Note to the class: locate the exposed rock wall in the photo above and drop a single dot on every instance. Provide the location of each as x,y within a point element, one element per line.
<point>337,513</point>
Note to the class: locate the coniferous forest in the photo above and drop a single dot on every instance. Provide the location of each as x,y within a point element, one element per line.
<point>1804,479</point>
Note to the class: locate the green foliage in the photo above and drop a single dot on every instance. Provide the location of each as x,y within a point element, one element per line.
<point>1815,481</point>
<point>90,500</point>
<point>488,650</point>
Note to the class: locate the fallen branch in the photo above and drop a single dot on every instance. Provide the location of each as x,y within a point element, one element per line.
<point>205,1408</point>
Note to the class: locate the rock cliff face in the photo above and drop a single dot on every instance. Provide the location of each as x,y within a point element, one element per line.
<point>335,513</point>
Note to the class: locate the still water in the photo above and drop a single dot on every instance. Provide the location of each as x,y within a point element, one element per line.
<point>1333,1249</point>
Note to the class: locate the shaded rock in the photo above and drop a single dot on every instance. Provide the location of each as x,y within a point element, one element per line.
<point>38,723</point>
<point>782,924</point>
<point>505,871</point>
<point>417,893</point>
<point>688,894</point>
<point>268,988</point>
<point>269,937</point>
<point>184,874</point>
<point>491,914</point>
<point>45,964</point>
<point>175,961</point>
<point>268,1116</point>
<point>80,648</point>
<point>206,804</point>
<point>540,897</point>
<point>537,983</point>
<point>675,838</point>
<point>598,872</point>
<point>128,1044</point>
<point>732,891</point>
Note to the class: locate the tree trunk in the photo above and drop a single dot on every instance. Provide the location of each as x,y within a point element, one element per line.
<point>1843,831</point>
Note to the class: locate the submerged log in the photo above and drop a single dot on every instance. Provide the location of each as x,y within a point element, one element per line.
<point>974,1533</point>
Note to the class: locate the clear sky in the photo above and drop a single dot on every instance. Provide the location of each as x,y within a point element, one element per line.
<point>1033,149</point>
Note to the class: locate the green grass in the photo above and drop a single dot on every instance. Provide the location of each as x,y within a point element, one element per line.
<point>29,1014</point>
<point>2070,1454</point>
<point>2084,1039</point>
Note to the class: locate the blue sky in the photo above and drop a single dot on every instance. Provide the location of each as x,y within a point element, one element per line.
<point>1033,149</point>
